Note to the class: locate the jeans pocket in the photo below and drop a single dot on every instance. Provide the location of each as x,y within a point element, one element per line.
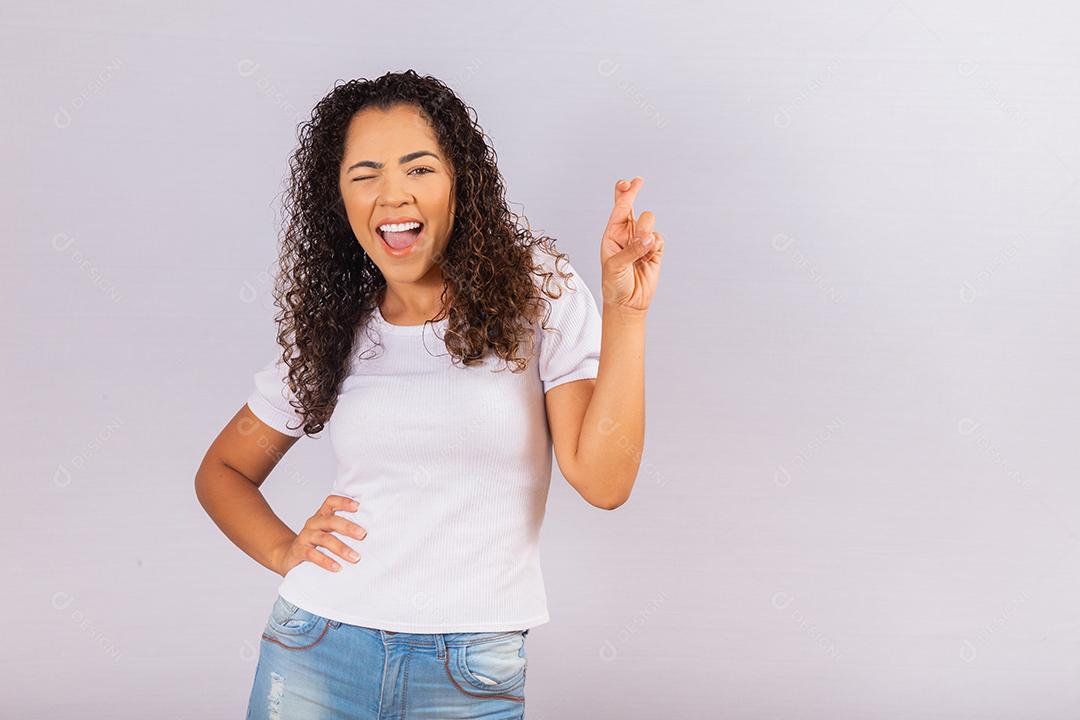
<point>294,627</point>
<point>493,665</point>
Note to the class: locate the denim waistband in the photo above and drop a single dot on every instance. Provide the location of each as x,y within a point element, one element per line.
<point>433,640</point>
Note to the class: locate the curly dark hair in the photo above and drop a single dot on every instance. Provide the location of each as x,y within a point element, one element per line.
<point>327,285</point>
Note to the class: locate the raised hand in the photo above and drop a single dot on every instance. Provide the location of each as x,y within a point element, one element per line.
<point>630,262</point>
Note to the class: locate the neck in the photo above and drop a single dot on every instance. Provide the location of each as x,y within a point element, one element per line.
<point>412,303</point>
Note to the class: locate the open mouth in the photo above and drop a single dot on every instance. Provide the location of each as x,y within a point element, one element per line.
<point>399,241</point>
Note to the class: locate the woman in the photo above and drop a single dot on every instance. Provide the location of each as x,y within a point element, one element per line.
<point>418,313</point>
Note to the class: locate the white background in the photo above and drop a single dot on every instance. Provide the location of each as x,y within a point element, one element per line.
<point>858,497</point>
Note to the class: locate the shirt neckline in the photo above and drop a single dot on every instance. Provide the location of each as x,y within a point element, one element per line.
<point>405,329</point>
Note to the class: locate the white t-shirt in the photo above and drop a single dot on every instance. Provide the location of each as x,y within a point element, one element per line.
<point>451,468</point>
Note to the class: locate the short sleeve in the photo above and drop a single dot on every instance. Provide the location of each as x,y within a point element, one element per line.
<point>571,351</point>
<point>269,400</point>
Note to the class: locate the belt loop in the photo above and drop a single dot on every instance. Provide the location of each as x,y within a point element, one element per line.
<point>440,646</point>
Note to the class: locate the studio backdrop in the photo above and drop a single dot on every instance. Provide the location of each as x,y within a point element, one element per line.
<point>857,497</point>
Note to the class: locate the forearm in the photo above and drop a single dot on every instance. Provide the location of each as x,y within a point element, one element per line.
<point>239,509</point>
<point>613,430</point>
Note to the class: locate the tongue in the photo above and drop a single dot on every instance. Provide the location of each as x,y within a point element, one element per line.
<point>401,240</point>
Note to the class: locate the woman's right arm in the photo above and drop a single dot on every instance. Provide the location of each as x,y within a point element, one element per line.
<point>227,485</point>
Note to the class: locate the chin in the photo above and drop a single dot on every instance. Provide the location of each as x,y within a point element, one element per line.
<point>410,272</point>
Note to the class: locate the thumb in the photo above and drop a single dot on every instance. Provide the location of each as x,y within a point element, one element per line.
<point>634,251</point>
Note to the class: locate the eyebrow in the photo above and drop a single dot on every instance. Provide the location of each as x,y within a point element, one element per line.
<point>401,160</point>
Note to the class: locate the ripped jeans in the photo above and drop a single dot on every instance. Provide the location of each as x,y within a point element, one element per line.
<point>313,668</point>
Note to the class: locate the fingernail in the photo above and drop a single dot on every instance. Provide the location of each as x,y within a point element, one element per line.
<point>647,240</point>
<point>623,184</point>
<point>354,556</point>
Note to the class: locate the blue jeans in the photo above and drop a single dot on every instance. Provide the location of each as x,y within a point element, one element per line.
<point>311,667</point>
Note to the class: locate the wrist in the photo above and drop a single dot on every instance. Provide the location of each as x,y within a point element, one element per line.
<point>624,313</point>
<point>278,553</point>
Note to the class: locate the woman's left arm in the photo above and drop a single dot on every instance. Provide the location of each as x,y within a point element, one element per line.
<point>598,426</point>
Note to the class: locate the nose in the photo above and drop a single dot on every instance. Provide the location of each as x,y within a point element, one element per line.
<point>392,193</point>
